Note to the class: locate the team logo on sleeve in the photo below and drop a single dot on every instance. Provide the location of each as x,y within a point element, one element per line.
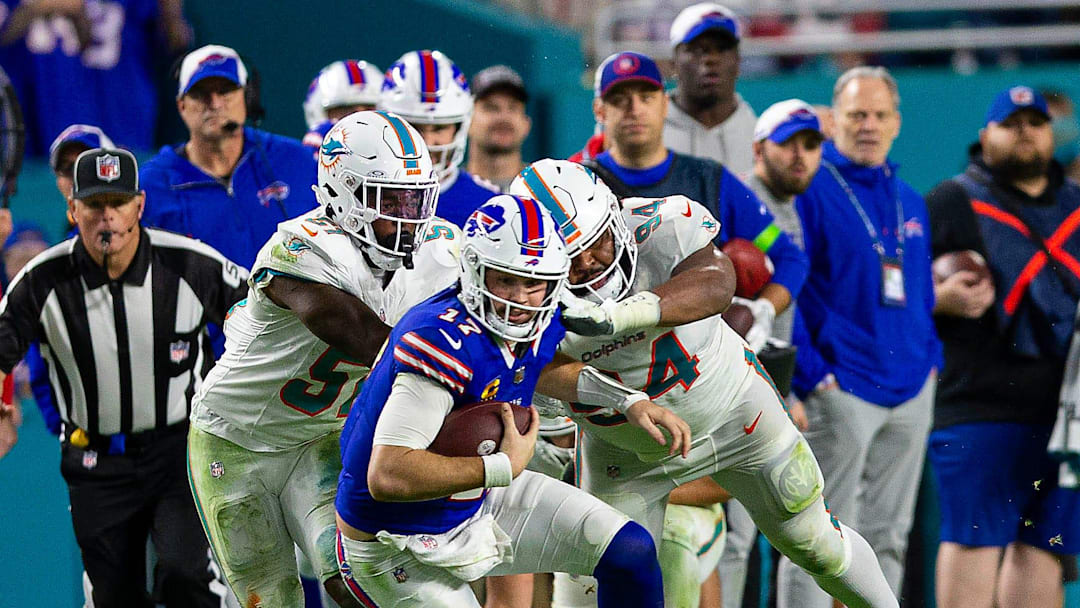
<point>108,168</point>
<point>709,225</point>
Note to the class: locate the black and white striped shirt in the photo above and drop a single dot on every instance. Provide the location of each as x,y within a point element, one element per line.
<point>123,355</point>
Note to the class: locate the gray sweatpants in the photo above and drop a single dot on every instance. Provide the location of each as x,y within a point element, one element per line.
<point>872,460</point>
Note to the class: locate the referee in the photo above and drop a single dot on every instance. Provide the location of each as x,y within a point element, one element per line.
<point>120,311</point>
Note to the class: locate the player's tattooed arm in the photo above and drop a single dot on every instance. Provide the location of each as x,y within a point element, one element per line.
<point>700,286</point>
<point>571,380</point>
<point>338,318</point>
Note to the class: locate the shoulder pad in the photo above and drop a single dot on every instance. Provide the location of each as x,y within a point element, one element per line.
<point>433,352</point>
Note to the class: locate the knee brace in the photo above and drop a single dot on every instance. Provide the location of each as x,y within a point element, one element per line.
<point>795,478</point>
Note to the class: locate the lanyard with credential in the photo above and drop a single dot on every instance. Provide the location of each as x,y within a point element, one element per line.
<point>892,268</point>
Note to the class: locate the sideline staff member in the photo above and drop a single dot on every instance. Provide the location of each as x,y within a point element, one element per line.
<point>120,312</point>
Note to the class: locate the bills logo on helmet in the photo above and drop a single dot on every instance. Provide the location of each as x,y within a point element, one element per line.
<point>488,218</point>
<point>108,168</point>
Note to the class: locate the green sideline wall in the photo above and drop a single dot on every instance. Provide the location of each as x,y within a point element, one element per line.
<point>941,115</point>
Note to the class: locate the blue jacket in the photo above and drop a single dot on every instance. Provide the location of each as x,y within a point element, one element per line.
<point>739,210</point>
<point>881,354</point>
<point>271,183</point>
<point>463,196</point>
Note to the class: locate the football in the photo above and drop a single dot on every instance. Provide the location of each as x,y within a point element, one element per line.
<point>476,429</point>
<point>753,269</point>
<point>739,318</point>
<point>948,264</point>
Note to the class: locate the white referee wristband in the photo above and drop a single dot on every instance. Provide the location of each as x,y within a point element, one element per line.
<point>498,472</point>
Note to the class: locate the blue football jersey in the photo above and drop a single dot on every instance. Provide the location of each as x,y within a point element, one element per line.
<point>437,339</point>
<point>461,198</point>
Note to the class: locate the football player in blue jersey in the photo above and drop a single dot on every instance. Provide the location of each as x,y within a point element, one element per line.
<point>415,526</point>
<point>427,89</point>
<point>341,88</point>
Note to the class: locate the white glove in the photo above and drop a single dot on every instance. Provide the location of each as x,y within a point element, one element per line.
<point>764,315</point>
<point>608,318</point>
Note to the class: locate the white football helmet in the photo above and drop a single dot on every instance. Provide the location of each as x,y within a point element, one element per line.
<point>426,87</point>
<point>373,166</point>
<point>515,235</point>
<point>585,209</point>
<point>343,83</point>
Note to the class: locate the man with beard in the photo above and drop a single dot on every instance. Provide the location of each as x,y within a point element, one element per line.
<point>499,125</point>
<point>1006,526</point>
<point>707,117</point>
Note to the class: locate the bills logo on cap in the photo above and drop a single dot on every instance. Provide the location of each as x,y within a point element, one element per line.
<point>802,114</point>
<point>108,168</point>
<point>1022,96</point>
<point>215,59</point>
<point>627,64</point>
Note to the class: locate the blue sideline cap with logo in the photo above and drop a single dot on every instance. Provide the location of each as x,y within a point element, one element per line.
<point>786,118</point>
<point>88,136</point>
<point>1014,99</point>
<point>105,171</point>
<point>626,66</point>
<point>695,20</point>
<point>211,60</point>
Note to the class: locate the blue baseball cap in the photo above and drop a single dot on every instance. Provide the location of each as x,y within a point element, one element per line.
<point>786,118</point>
<point>695,20</point>
<point>626,66</point>
<point>211,60</point>
<point>1014,99</point>
<point>88,136</point>
<point>25,231</point>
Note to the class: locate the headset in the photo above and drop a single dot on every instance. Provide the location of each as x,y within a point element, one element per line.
<point>255,110</point>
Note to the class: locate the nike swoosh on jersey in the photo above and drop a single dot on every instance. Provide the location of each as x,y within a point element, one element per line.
<point>455,343</point>
<point>689,212</point>
<point>750,429</point>
<point>310,233</point>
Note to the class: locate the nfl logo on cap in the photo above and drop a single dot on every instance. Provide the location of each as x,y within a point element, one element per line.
<point>108,168</point>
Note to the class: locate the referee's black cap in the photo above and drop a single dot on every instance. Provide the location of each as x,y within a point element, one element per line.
<point>105,170</point>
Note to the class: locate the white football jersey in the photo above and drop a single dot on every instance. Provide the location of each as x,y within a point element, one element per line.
<point>695,370</point>
<point>278,386</point>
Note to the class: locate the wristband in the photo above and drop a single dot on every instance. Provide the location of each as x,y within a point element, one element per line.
<point>498,472</point>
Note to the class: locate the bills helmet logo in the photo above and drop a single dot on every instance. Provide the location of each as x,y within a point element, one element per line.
<point>1022,96</point>
<point>276,191</point>
<point>108,168</point>
<point>486,219</point>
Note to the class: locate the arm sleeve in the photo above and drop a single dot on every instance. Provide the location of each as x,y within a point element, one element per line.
<point>747,217</point>
<point>413,414</point>
<point>19,312</point>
